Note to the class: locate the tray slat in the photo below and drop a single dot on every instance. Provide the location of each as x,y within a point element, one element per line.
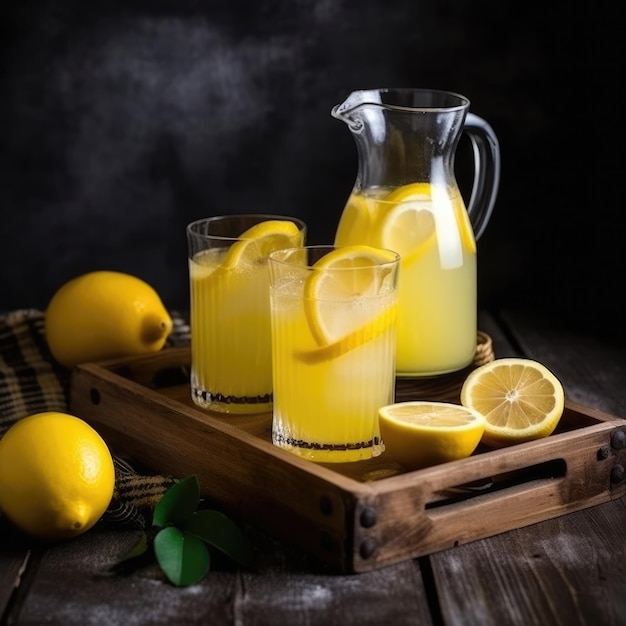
<point>354,516</point>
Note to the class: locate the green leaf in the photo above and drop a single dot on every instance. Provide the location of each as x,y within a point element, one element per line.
<point>219,531</point>
<point>139,548</point>
<point>139,554</point>
<point>184,558</point>
<point>178,503</point>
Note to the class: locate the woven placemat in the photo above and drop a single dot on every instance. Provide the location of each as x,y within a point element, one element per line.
<point>31,381</point>
<point>447,387</point>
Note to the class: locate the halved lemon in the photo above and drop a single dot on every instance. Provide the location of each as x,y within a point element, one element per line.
<point>347,274</point>
<point>418,434</point>
<point>521,400</point>
<point>257,242</point>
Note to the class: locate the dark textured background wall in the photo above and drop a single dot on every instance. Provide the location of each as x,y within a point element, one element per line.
<point>122,121</point>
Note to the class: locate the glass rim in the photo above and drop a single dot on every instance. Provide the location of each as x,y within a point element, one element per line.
<point>291,258</point>
<point>255,218</point>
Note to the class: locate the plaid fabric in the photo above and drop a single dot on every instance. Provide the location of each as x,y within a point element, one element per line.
<point>31,382</point>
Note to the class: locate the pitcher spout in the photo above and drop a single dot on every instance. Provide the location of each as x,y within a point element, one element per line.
<point>350,110</point>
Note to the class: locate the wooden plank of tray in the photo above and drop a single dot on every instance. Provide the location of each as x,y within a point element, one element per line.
<point>353,516</point>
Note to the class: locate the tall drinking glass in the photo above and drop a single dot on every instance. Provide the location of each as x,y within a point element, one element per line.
<point>333,346</point>
<point>231,362</point>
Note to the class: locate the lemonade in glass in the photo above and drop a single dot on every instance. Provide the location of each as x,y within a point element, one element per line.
<point>333,347</point>
<point>429,227</point>
<point>231,363</point>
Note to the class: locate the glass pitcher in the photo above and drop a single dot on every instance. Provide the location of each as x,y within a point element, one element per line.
<point>406,198</point>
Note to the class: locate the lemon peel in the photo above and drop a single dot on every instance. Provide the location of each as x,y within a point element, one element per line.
<point>102,315</point>
<point>419,434</point>
<point>56,476</point>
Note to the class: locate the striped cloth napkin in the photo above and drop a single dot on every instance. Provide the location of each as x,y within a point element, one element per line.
<point>32,382</point>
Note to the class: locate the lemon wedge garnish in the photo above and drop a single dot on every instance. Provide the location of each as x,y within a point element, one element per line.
<point>521,399</point>
<point>251,249</point>
<point>256,243</point>
<point>348,274</point>
<point>420,433</point>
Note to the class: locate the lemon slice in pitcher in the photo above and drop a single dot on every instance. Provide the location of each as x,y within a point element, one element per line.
<point>356,221</point>
<point>465,226</point>
<point>408,227</point>
<point>521,399</point>
<point>351,273</point>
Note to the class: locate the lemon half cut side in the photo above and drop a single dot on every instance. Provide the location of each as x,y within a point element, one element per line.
<point>419,434</point>
<point>356,273</point>
<point>521,399</point>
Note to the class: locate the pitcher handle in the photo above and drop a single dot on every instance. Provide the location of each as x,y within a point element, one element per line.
<point>486,172</point>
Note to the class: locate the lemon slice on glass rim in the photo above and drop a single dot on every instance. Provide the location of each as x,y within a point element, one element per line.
<point>419,433</point>
<point>257,242</point>
<point>521,399</point>
<point>356,273</point>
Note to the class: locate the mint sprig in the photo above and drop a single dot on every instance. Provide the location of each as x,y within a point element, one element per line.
<point>182,536</point>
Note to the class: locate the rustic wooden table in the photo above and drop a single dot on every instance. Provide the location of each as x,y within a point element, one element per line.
<point>568,570</point>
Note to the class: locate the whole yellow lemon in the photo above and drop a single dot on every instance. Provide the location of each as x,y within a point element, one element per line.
<point>56,476</point>
<point>103,315</point>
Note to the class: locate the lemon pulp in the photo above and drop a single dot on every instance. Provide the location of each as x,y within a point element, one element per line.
<point>418,434</point>
<point>521,399</point>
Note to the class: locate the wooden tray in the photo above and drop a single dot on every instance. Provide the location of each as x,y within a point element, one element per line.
<point>355,516</point>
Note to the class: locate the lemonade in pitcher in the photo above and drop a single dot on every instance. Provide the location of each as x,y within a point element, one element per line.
<point>406,198</point>
<point>333,335</point>
<point>430,229</point>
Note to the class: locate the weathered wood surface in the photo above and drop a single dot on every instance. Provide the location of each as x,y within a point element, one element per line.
<point>568,570</point>
<point>565,571</point>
